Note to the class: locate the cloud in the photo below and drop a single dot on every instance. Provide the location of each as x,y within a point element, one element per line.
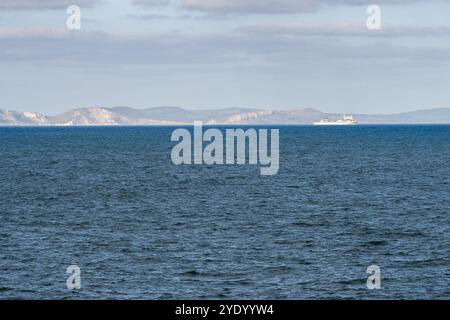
<point>275,6</point>
<point>244,47</point>
<point>151,3</point>
<point>251,6</point>
<point>32,33</point>
<point>146,17</point>
<point>43,4</point>
<point>341,30</point>
<point>262,6</point>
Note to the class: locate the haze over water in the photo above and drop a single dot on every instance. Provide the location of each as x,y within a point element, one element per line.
<point>109,200</point>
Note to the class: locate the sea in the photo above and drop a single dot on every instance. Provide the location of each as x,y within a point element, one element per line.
<point>110,201</point>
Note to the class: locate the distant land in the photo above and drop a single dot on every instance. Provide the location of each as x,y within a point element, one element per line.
<point>98,116</point>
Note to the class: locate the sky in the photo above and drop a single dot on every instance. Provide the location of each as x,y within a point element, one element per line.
<point>211,54</point>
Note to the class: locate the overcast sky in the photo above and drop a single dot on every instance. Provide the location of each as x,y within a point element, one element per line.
<point>271,54</point>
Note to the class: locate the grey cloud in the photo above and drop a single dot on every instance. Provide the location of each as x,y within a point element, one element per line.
<point>43,4</point>
<point>263,6</point>
<point>151,3</point>
<point>251,6</point>
<point>31,33</point>
<point>341,30</point>
<point>146,17</point>
<point>89,68</point>
<point>210,50</point>
<point>275,6</point>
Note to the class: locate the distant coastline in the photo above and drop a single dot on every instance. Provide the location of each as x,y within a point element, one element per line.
<point>117,116</point>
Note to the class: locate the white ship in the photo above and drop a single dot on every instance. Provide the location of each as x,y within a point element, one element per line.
<point>345,121</point>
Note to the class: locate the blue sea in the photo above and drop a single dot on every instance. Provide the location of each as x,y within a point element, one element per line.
<point>109,200</point>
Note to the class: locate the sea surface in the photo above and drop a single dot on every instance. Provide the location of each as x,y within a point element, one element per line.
<point>109,200</point>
